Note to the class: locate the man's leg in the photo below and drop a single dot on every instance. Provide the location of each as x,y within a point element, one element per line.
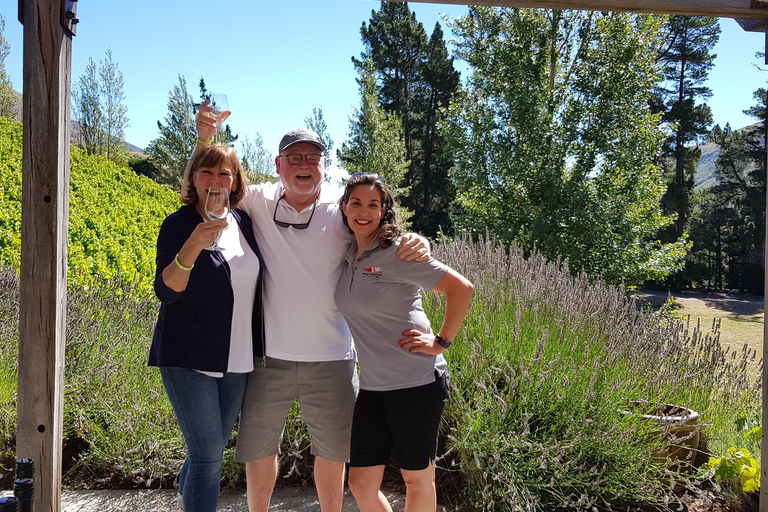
<point>327,392</point>
<point>260,477</point>
<point>268,398</point>
<point>329,481</point>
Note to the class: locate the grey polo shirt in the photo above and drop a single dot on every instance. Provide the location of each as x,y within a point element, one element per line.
<point>379,296</point>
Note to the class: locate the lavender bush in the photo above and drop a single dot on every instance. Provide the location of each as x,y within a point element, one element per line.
<point>541,372</point>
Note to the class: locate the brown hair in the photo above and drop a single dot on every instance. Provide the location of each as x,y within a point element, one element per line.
<point>389,229</point>
<point>211,157</point>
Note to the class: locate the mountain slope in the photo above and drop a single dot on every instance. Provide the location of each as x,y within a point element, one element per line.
<point>705,168</point>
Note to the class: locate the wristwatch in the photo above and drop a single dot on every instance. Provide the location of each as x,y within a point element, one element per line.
<point>442,341</point>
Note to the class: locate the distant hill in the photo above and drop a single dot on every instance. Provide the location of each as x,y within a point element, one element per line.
<point>705,169</point>
<point>74,129</point>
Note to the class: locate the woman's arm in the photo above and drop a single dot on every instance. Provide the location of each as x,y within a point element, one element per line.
<point>176,274</point>
<point>458,295</point>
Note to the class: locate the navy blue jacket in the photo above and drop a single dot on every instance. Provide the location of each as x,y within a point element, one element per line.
<point>193,326</point>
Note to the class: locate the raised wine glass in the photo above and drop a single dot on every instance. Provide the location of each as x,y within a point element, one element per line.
<point>217,207</point>
<point>219,106</point>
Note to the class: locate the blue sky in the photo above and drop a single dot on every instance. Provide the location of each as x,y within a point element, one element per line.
<point>276,60</point>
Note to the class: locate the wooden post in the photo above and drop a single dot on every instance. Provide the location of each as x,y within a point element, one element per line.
<point>44,205</point>
<point>763,440</point>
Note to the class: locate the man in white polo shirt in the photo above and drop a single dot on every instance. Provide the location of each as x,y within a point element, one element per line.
<point>309,350</point>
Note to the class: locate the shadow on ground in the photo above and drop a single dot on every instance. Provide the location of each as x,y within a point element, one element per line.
<point>164,500</point>
<point>731,302</point>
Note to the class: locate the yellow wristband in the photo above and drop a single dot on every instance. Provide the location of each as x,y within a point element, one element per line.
<point>182,267</point>
<point>205,142</point>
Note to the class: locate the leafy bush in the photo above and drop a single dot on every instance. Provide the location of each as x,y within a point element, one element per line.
<point>114,215</point>
<point>738,466</point>
<point>544,365</point>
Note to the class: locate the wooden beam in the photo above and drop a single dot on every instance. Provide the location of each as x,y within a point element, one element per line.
<point>742,9</point>
<point>763,506</point>
<point>44,206</point>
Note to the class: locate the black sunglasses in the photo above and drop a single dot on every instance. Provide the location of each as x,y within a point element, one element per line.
<point>282,224</point>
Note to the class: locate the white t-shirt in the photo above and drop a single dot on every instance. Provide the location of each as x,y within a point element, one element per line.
<point>244,272</point>
<point>302,269</point>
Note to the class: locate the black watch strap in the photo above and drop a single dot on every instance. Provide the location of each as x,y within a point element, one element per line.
<point>442,341</point>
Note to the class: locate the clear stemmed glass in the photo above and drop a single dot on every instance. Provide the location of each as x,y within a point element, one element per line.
<point>217,207</point>
<point>219,106</point>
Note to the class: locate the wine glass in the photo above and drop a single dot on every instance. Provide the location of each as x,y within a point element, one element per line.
<point>217,207</point>
<point>219,106</point>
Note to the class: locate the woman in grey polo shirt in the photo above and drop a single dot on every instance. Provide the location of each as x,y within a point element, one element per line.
<point>403,376</point>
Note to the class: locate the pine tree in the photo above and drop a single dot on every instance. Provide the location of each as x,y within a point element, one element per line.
<point>734,211</point>
<point>415,80</point>
<point>375,143</point>
<point>178,137</point>
<point>686,59</point>
<point>225,135</point>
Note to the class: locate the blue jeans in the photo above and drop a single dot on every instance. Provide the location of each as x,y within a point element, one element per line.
<point>206,409</point>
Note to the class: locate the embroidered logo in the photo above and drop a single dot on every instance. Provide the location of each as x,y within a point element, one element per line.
<point>375,272</point>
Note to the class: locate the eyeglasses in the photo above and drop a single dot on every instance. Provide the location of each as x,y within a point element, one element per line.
<point>368,173</point>
<point>296,159</point>
<point>282,224</point>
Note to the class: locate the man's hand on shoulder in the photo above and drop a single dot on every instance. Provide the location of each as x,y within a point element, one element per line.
<point>414,247</point>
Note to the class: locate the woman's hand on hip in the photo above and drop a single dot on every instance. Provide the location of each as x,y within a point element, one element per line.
<point>416,341</point>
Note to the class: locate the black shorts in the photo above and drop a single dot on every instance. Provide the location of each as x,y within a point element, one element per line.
<point>399,425</point>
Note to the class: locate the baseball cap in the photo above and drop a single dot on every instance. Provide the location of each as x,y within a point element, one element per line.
<point>301,135</point>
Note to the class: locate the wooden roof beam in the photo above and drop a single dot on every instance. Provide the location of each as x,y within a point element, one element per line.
<point>739,9</point>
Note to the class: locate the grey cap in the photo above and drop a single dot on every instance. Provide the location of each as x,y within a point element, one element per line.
<point>301,135</point>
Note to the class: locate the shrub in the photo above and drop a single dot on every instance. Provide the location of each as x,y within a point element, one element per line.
<point>541,371</point>
<point>544,365</point>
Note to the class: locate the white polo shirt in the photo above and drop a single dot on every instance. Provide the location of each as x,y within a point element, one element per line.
<point>302,269</point>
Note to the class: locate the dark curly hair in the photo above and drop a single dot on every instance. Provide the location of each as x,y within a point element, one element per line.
<point>389,229</point>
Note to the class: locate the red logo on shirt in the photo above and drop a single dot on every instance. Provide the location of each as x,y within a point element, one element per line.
<point>374,272</point>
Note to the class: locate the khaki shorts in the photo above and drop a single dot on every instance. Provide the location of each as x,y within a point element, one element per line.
<point>326,393</point>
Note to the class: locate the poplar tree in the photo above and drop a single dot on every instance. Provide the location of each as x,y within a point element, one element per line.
<point>87,110</point>
<point>317,124</point>
<point>115,113</point>
<point>555,141</point>
<point>257,161</point>
<point>375,143</point>
<point>8,102</point>
<point>98,105</point>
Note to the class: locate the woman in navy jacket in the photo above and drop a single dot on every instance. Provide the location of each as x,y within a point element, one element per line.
<point>209,330</point>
